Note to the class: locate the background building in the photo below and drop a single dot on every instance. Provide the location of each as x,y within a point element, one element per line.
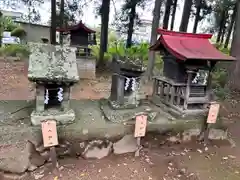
<point>14,15</point>
<point>143,32</point>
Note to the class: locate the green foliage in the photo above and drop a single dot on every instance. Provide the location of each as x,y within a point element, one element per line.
<point>137,52</point>
<point>6,24</point>
<point>18,32</point>
<point>219,81</point>
<point>73,10</point>
<point>220,6</point>
<point>221,48</point>
<point>206,8</point>
<point>32,14</point>
<point>220,76</point>
<point>15,50</point>
<point>224,50</point>
<point>122,17</point>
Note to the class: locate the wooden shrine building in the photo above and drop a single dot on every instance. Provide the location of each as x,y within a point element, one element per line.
<point>80,36</point>
<point>185,87</point>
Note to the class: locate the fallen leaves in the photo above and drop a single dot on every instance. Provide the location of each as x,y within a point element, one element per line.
<point>82,174</point>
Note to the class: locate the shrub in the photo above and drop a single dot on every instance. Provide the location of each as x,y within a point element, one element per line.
<point>18,32</point>
<point>136,52</point>
<point>15,50</point>
<point>7,24</point>
<point>220,76</point>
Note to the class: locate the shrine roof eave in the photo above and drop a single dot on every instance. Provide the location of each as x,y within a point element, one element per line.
<point>188,46</point>
<point>80,25</point>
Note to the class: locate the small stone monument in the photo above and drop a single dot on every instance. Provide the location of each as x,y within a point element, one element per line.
<point>125,85</point>
<point>54,71</point>
<point>124,103</point>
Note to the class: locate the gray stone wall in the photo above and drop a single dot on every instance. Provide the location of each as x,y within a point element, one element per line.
<point>86,67</point>
<point>35,32</point>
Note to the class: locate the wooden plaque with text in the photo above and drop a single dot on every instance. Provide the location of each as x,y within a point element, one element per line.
<point>49,132</point>
<point>140,126</point>
<point>213,113</point>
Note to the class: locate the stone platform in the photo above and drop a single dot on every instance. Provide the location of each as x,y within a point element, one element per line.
<point>126,115</point>
<point>19,139</point>
<point>90,122</point>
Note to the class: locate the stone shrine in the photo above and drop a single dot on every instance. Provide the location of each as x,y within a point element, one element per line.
<point>53,69</point>
<point>125,85</point>
<point>126,100</point>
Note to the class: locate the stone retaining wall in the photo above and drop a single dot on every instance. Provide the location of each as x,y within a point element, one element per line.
<point>86,67</point>
<point>19,140</point>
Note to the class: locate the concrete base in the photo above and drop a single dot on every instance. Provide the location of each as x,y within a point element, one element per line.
<point>128,114</point>
<point>117,106</point>
<point>62,117</point>
<point>89,123</point>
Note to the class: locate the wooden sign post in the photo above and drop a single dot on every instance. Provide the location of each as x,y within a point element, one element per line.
<point>50,138</point>
<point>213,113</point>
<point>211,119</point>
<point>140,130</point>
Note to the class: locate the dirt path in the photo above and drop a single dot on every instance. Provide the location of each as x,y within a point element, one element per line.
<point>190,161</point>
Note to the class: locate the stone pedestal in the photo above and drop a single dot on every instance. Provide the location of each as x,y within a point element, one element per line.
<point>61,117</point>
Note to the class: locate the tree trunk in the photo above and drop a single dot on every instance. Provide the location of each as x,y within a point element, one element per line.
<point>173,13</point>
<point>197,16</point>
<point>186,15</point>
<point>230,27</point>
<point>53,22</point>
<point>155,25</point>
<point>61,21</point>
<point>167,14</point>
<point>104,30</point>
<point>234,72</point>
<point>221,26</point>
<point>223,33</point>
<point>130,26</point>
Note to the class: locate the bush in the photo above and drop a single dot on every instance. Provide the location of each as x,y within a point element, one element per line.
<point>18,32</point>
<point>15,50</point>
<point>220,76</point>
<point>219,80</point>
<point>136,52</point>
<point>7,24</point>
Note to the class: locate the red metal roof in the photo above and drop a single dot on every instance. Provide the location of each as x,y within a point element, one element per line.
<point>80,25</point>
<point>189,46</point>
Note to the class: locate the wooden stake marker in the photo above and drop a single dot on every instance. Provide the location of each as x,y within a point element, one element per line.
<point>213,113</point>
<point>140,130</point>
<point>211,119</point>
<point>50,138</point>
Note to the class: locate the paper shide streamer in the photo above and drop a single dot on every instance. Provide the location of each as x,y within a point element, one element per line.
<point>59,96</point>
<point>134,84</point>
